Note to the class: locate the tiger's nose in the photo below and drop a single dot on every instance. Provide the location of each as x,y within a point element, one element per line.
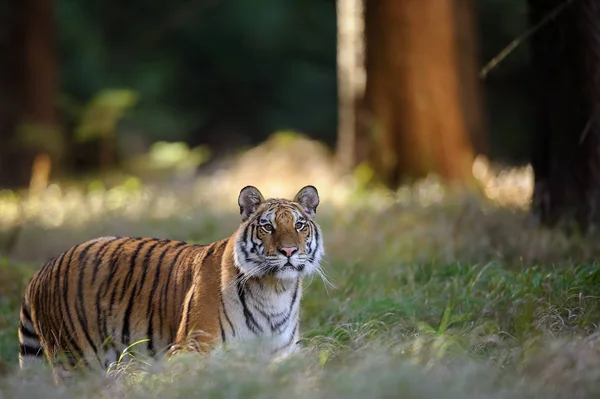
<point>288,251</point>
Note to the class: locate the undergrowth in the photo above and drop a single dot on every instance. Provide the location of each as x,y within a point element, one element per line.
<point>441,296</point>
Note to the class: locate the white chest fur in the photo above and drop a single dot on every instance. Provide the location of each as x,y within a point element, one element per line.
<point>258,310</point>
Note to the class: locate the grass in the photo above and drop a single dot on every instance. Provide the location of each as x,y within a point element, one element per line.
<point>439,294</point>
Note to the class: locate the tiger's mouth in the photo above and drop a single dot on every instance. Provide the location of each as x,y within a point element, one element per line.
<point>290,266</point>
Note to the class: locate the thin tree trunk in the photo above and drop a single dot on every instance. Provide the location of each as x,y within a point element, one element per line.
<point>414,105</point>
<point>566,161</point>
<point>351,77</point>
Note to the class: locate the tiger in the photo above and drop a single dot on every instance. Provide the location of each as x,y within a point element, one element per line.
<point>86,306</point>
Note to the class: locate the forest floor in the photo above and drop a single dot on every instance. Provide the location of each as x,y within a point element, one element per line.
<point>438,294</point>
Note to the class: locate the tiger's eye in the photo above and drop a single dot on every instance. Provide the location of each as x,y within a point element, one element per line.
<point>299,225</point>
<point>267,227</point>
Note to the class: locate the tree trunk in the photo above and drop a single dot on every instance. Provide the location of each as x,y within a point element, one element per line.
<point>29,125</point>
<point>12,166</point>
<point>414,118</point>
<point>473,101</point>
<point>565,159</point>
<point>351,77</point>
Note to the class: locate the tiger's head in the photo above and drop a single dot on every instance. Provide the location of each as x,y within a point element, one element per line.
<point>278,237</point>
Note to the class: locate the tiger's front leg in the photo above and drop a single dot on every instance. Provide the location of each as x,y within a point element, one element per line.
<point>199,327</point>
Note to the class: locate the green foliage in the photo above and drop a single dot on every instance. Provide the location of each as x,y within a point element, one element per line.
<point>176,154</point>
<point>101,116</point>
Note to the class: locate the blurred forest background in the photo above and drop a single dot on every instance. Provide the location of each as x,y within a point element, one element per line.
<point>405,88</point>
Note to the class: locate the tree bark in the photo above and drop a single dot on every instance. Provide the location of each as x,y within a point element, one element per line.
<point>351,77</point>
<point>565,159</point>
<point>27,110</point>
<point>473,100</point>
<point>11,94</point>
<point>414,117</point>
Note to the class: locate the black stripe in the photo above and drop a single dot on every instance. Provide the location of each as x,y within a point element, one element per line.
<point>308,239</point>
<point>99,258</point>
<point>277,326</point>
<point>294,295</point>
<point>47,265</point>
<point>150,329</point>
<point>79,310</point>
<point>113,297</point>
<point>166,295</point>
<point>289,342</point>
<point>150,334</point>
<point>316,241</point>
<point>227,316</point>
<point>27,350</point>
<point>101,317</point>
<point>55,302</point>
<point>223,339</point>
<point>256,245</point>
<point>244,241</point>
<point>250,320</point>
<point>162,303</point>
<point>112,263</point>
<point>125,330</point>
<point>210,251</point>
<point>26,313</point>
<point>135,290</point>
<point>67,302</point>
<point>263,314</point>
<point>27,332</point>
<point>292,335</point>
<point>50,298</point>
<point>255,303</point>
<point>252,243</point>
<point>175,289</point>
<point>132,264</point>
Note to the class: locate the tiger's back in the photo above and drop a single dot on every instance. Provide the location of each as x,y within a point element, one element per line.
<point>105,294</point>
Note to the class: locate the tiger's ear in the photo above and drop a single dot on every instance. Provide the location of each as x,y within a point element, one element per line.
<point>249,200</point>
<point>308,198</point>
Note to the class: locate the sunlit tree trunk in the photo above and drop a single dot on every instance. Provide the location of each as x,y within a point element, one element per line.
<point>351,77</point>
<point>414,113</point>
<point>29,129</point>
<point>566,158</point>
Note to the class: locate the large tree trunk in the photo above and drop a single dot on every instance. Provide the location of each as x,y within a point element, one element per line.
<point>414,118</point>
<point>28,127</point>
<point>566,162</point>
